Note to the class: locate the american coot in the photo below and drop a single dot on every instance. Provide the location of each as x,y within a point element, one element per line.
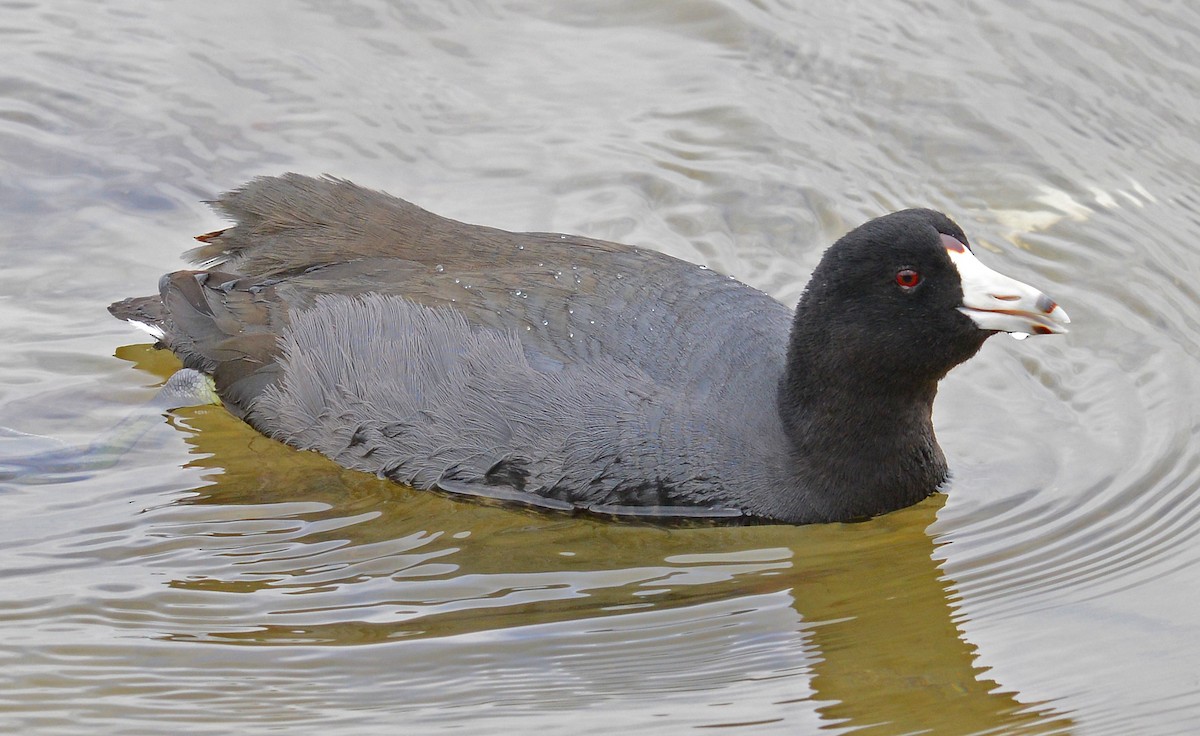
<point>571,373</point>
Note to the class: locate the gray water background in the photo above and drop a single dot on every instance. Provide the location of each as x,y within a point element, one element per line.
<point>216,582</point>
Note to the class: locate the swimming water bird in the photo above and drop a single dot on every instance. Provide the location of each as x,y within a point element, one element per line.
<point>575,374</point>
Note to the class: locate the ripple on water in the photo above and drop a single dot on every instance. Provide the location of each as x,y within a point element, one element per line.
<point>1116,506</point>
<point>259,588</point>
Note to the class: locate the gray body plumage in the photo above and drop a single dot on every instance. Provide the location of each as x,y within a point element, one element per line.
<point>420,395</point>
<point>446,355</point>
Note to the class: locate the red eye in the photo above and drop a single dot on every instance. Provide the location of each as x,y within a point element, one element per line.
<point>906,278</point>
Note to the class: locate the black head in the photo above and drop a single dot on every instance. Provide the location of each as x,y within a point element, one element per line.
<point>884,303</point>
<point>892,306</point>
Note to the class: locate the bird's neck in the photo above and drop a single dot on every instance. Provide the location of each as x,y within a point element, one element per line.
<point>862,442</point>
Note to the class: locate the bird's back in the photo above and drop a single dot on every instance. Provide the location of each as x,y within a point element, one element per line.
<point>435,352</point>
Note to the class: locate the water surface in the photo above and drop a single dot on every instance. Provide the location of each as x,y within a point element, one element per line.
<point>213,581</point>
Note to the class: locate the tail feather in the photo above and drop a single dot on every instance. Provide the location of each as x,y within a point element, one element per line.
<point>144,312</point>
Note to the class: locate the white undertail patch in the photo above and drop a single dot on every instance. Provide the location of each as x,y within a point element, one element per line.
<point>154,330</point>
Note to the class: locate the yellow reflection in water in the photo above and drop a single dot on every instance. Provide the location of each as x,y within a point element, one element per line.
<point>348,559</point>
